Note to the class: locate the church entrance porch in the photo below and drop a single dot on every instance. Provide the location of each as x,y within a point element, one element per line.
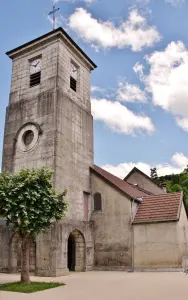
<point>76,256</point>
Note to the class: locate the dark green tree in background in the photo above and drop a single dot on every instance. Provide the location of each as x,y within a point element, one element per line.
<point>30,206</point>
<point>154,175</point>
<point>176,183</point>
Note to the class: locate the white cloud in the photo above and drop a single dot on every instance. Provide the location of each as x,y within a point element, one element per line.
<point>175,2</point>
<point>59,20</point>
<point>167,80</point>
<point>97,89</point>
<point>134,33</point>
<point>183,123</point>
<point>130,93</point>
<point>73,1</point>
<point>172,2</point>
<point>120,119</point>
<point>179,162</point>
<point>144,2</point>
<point>139,69</point>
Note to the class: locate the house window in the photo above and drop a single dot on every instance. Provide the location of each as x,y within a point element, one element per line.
<point>97,202</point>
<point>73,77</point>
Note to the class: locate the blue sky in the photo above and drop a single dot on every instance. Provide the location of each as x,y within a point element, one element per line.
<point>140,88</point>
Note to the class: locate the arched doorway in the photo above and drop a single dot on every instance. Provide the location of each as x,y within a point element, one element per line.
<point>16,254</point>
<point>71,253</point>
<point>76,252</point>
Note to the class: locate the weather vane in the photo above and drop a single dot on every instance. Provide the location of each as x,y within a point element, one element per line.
<point>53,13</point>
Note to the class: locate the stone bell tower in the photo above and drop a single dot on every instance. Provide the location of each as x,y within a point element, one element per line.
<point>49,121</point>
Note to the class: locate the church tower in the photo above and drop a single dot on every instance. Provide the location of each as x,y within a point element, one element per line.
<point>49,121</point>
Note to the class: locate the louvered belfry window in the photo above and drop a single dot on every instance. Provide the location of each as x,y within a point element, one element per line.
<point>73,83</point>
<point>73,76</point>
<point>35,79</point>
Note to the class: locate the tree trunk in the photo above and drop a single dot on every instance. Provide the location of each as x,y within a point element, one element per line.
<point>25,260</point>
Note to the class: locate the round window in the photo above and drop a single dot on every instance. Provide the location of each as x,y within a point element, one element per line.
<point>28,137</point>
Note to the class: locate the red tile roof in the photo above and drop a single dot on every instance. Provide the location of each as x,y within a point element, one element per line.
<point>127,188</point>
<point>159,208</point>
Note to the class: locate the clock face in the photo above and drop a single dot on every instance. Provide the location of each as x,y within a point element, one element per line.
<point>74,71</point>
<point>35,65</point>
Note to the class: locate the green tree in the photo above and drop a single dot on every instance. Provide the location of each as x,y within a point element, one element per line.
<point>154,175</point>
<point>30,206</point>
<point>176,182</point>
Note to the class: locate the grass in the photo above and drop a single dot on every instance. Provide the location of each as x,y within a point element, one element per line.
<point>29,288</point>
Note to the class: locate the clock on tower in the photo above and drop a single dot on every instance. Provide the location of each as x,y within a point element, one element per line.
<point>35,71</point>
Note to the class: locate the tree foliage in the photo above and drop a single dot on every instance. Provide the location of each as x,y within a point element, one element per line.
<point>176,182</point>
<point>30,206</point>
<point>154,175</point>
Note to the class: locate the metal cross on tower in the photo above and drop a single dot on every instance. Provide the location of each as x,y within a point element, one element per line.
<point>53,13</point>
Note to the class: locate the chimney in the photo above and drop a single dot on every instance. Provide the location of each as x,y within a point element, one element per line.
<point>163,186</point>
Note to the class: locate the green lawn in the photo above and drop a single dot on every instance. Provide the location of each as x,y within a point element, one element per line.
<point>29,288</point>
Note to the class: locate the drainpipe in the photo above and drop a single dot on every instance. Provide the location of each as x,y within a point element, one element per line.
<point>132,231</point>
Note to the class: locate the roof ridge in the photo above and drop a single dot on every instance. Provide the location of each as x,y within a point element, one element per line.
<point>124,186</point>
<point>144,174</point>
<point>164,194</point>
<point>110,173</point>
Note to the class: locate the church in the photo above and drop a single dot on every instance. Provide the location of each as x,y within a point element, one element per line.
<point>111,224</point>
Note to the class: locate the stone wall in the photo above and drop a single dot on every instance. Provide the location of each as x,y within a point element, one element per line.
<point>82,96</point>
<point>112,231</point>
<point>65,143</point>
<point>52,250</point>
<point>145,183</point>
<point>74,154</point>
<point>39,110</point>
<point>5,236</point>
<point>49,253</point>
<point>34,104</point>
<point>63,128</point>
<point>161,245</point>
<point>10,251</point>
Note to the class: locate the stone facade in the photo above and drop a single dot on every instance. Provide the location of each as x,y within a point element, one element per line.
<point>161,245</point>
<point>62,125</point>
<point>112,227</point>
<point>137,177</point>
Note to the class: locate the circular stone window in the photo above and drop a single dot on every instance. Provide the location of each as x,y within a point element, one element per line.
<point>28,138</point>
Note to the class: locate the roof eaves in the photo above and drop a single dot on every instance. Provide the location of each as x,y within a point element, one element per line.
<point>119,189</point>
<point>60,29</point>
<point>154,221</point>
